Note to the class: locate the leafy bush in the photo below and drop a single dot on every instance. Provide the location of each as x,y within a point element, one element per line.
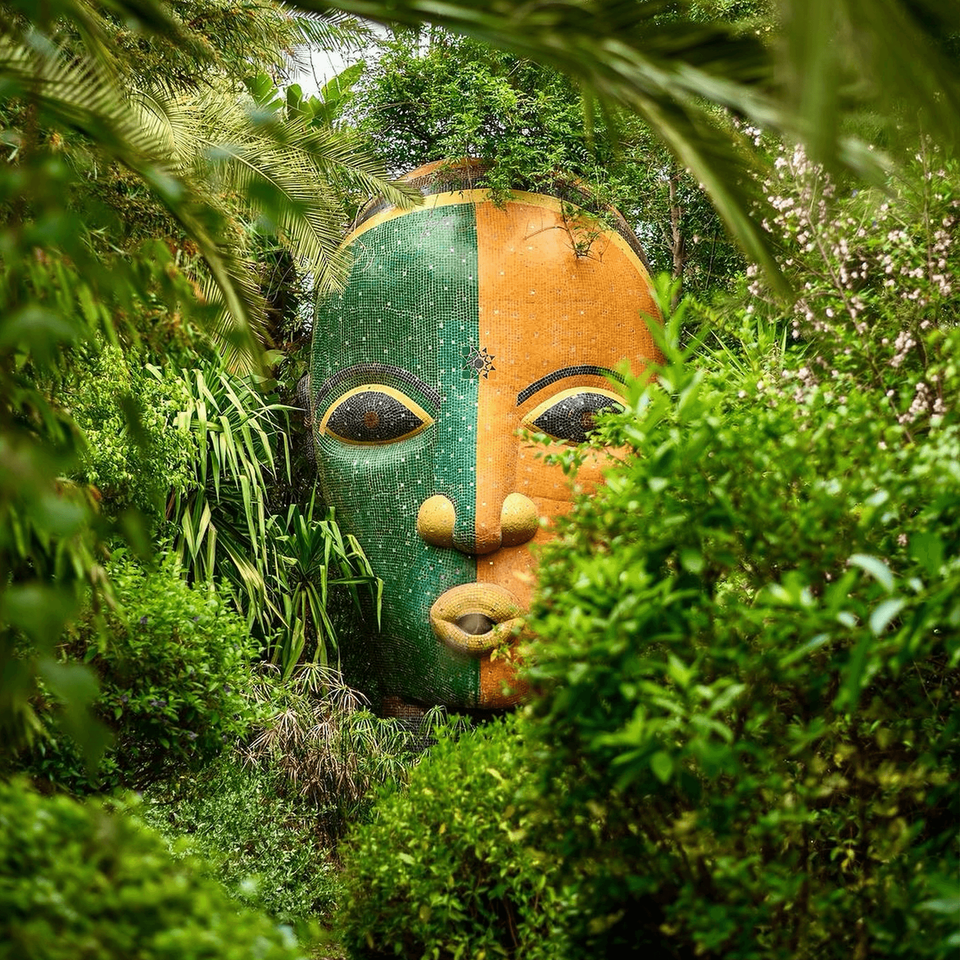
<point>445,868</point>
<point>265,849</point>
<point>107,393</point>
<point>749,673</point>
<point>173,666</point>
<point>80,881</point>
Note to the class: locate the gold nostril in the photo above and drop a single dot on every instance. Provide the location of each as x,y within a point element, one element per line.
<point>519,520</point>
<point>435,521</point>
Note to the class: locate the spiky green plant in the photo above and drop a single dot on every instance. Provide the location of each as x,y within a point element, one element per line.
<point>325,744</point>
<point>282,565</point>
<point>221,518</point>
<point>312,555</point>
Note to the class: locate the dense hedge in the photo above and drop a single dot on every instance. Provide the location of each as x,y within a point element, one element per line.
<point>446,869</point>
<point>172,663</point>
<point>80,882</point>
<point>750,678</point>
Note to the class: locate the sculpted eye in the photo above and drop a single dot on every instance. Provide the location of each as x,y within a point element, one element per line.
<point>571,414</point>
<point>374,414</point>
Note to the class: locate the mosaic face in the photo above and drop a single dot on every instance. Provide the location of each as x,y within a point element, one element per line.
<point>463,325</point>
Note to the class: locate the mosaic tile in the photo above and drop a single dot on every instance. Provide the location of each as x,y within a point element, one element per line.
<point>460,321</point>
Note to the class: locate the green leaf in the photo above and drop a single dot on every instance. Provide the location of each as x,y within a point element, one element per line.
<point>662,765</point>
<point>884,613</point>
<point>39,610</point>
<point>876,568</point>
<point>852,685</point>
<point>927,548</point>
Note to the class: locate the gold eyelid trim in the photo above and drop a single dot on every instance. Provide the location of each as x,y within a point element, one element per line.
<point>528,420</point>
<point>401,398</point>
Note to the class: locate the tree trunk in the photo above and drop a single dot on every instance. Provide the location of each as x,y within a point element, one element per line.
<point>678,247</point>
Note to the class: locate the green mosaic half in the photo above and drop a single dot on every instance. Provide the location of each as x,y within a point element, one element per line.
<point>407,319</point>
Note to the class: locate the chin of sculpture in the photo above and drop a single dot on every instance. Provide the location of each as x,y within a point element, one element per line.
<point>465,327</point>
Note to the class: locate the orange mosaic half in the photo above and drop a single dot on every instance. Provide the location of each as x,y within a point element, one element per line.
<point>464,325</point>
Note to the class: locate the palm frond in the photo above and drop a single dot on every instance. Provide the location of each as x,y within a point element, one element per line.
<point>331,30</point>
<point>291,172</point>
<point>163,116</point>
<point>892,46</point>
<point>623,52</point>
<point>87,17</point>
<point>76,93</point>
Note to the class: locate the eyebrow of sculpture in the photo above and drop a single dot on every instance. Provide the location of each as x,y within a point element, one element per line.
<point>378,370</point>
<point>580,371</point>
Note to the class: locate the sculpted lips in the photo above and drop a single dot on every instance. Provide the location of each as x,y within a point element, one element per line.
<point>475,617</point>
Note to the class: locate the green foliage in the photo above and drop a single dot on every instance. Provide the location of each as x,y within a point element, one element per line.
<point>322,109</point>
<point>221,517</point>
<point>446,868</point>
<point>326,749</point>
<point>752,641</point>
<point>311,557</point>
<point>263,848</point>
<point>173,668</point>
<point>131,455</point>
<point>440,96</point>
<point>877,270</point>
<point>109,224</point>
<point>282,565</point>
<point>82,881</point>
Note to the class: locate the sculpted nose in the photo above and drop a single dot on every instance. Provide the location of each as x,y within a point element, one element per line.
<point>436,520</point>
<point>519,520</point>
<point>516,523</point>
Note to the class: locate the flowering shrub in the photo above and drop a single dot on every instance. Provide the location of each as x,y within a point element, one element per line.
<point>173,671</point>
<point>876,275</point>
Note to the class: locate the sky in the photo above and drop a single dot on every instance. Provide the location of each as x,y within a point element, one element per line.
<point>321,65</point>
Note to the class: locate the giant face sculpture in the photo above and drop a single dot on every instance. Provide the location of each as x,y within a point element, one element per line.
<point>464,325</point>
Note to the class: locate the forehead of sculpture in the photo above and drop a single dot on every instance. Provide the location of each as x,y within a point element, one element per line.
<point>518,221</point>
<point>469,174</point>
<point>462,278</point>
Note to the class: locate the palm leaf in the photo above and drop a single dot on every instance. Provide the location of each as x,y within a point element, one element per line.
<point>332,30</point>
<point>892,46</point>
<point>294,173</point>
<point>623,52</point>
<point>78,93</point>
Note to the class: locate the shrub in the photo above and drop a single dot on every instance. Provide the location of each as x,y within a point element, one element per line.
<point>325,746</point>
<point>445,869</point>
<point>749,671</point>
<point>265,849</point>
<point>173,666</point>
<point>108,391</point>
<point>80,881</point>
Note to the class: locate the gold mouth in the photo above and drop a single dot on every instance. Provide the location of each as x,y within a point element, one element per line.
<point>475,618</point>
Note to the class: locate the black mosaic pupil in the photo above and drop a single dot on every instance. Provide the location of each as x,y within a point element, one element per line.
<point>573,417</point>
<point>372,417</point>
